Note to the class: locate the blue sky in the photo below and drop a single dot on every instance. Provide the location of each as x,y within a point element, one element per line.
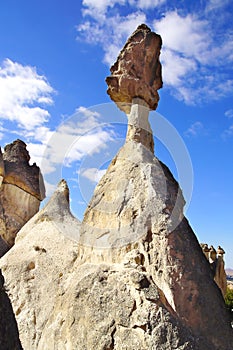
<point>54,58</point>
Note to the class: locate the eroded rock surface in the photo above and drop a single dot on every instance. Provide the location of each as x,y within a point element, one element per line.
<point>132,275</point>
<point>217,264</point>
<point>63,303</point>
<point>21,191</point>
<point>137,71</point>
<point>142,295</point>
<point>137,210</point>
<point>38,267</point>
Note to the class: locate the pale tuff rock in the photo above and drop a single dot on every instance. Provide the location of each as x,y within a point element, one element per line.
<point>139,129</point>
<point>216,260</point>
<point>137,279</point>
<point>38,267</point>
<point>137,71</point>
<point>109,307</point>
<point>136,217</point>
<point>64,304</point>
<point>21,190</point>
<point>64,300</point>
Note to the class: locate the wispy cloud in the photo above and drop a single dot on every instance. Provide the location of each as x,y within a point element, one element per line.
<point>107,34</point>
<point>228,132</point>
<point>190,57</point>
<point>79,136</point>
<point>98,8</point>
<point>93,174</point>
<point>214,5</point>
<point>23,95</point>
<point>229,113</point>
<point>194,130</point>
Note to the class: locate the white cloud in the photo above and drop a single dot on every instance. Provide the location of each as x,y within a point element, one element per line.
<point>229,113</point>
<point>22,90</point>
<point>79,136</point>
<point>88,144</point>
<point>146,4</point>
<point>36,151</point>
<point>175,67</point>
<point>98,8</point>
<point>187,35</point>
<point>110,36</point>
<point>228,133</point>
<point>190,55</point>
<point>213,5</point>
<point>93,174</point>
<point>196,56</point>
<point>194,129</point>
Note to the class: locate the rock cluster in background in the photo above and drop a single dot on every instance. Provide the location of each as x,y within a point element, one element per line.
<point>21,191</point>
<point>217,264</point>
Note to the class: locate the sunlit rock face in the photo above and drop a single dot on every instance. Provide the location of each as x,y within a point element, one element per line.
<point>135,218</point>
<point>61,302</point>
<point>21,191</point>
<point>217,264</point>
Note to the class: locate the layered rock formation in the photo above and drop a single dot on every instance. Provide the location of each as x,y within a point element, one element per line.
<point>132,275</point>
<point>61,303</point>
<point>137,213</point>
<point>137,71</point>
<point>21,190</point>
<point>217,264</point>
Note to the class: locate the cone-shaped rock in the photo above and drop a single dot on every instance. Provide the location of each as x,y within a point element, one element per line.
<point>137,279</point>
<point>137,210</point>
<point>136,215</point>
<point>36,267</point>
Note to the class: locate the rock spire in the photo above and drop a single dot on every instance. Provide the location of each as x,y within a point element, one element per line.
<point>21,190</point>
<point>137,278</point>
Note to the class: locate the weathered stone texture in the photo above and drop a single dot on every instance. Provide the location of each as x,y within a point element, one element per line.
<point>22,189</point>
<point>18,172</point>
<point>137,208</point>
<point>137,71</point>
<point>132,275</point>
<point>217,264</point>
<point>38,266</point>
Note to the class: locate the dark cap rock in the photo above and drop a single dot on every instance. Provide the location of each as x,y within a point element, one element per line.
<point>137,71</point>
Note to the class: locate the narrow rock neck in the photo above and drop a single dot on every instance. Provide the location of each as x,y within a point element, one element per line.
<point>139,129</point>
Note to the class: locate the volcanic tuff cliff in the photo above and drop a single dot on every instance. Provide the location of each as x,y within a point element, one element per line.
<point>132,275</point>
<point>21,190</point>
